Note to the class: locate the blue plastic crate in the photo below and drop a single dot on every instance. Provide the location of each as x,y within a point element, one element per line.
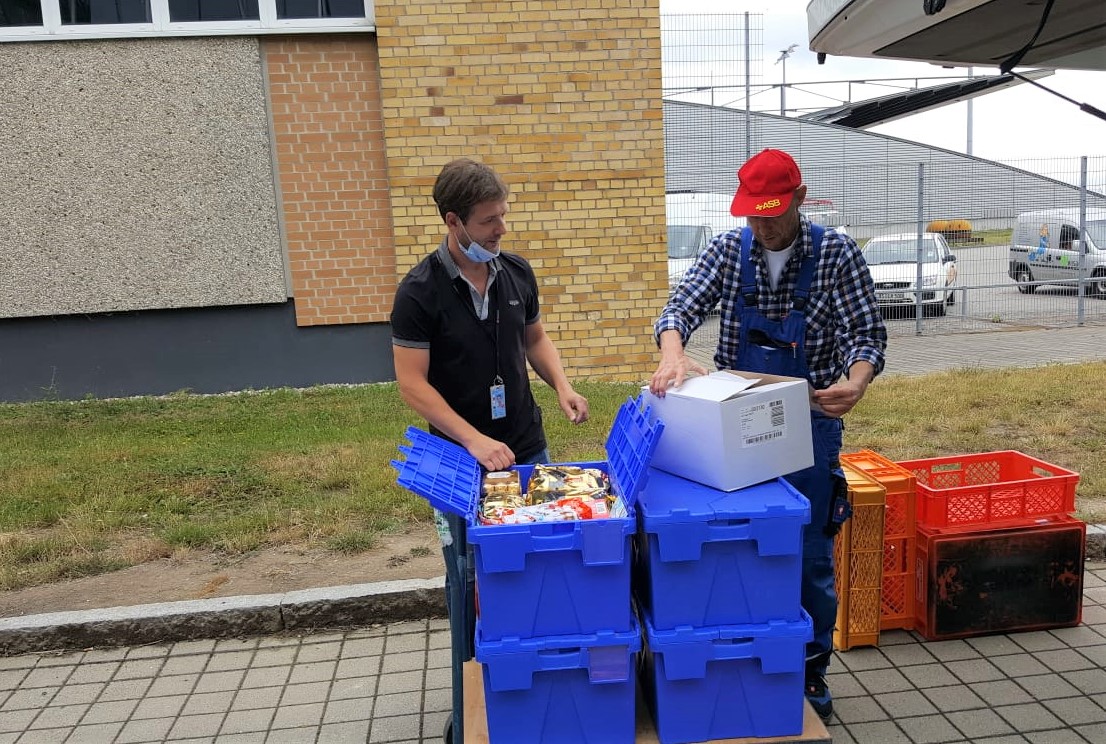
<point>707,557</point>
<point>573,689</point>
<point>544,578</point>
<point>725,682</point>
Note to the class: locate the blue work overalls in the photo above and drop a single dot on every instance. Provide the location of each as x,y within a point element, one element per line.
<point>781,350</point>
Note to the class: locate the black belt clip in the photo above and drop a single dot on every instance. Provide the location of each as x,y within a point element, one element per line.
<point>840,508</point>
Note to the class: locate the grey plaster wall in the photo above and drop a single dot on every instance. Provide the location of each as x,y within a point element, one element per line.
<point>135,174</point>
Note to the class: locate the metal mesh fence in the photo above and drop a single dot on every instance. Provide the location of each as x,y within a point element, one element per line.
<point>954,243</point>
<point>967,245</point>
<point>981,245</point>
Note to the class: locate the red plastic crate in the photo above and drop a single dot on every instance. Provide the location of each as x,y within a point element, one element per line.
<point>899,536</point>
<point>977,580</point>
<point>991,488</point>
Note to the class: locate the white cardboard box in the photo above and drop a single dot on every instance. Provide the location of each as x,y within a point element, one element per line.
<point>731,429</point>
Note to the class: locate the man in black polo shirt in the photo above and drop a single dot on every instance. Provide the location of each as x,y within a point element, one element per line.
<point>465,322</point>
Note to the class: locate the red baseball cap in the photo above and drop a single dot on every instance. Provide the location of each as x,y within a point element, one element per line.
<point>766,185</point>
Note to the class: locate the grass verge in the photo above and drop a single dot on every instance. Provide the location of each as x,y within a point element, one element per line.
<point>93,486</point>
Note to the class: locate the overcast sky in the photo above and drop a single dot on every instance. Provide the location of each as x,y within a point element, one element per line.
<point>1020,123</point>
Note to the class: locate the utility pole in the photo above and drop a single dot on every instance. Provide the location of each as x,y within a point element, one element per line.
<point>748,74</point>
<point>784,54</point>
<point>969,152</point>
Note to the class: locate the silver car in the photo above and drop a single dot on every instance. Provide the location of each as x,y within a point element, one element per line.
<point>894,262</point>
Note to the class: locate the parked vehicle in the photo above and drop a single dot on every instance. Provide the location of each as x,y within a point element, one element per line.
<point>1047,248</point>
<point>893,262</point>
<point>693,219</point>
<point>822,212</point>
<point>685,242</point>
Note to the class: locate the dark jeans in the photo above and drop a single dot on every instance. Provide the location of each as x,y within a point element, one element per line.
<point>460,592</point>
<point>819,596</point>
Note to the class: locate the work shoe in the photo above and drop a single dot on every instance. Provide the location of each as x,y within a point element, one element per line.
<point>819,695</point>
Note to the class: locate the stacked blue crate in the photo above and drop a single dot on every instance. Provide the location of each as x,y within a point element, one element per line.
<point>556,619</point>
<point>570,689</point>
<point>717,578</point>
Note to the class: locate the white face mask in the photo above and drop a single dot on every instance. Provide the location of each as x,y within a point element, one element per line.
<point>475,252</point>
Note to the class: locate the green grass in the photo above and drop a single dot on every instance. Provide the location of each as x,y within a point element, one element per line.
<point>93,486</point>
<point>980,238</point>
<point>992,237</point>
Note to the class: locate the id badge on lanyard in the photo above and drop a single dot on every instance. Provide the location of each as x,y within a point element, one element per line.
<point>498,394</point>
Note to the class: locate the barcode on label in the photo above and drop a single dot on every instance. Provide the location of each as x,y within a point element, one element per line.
<point>764,437</point>
<point>777,412</point>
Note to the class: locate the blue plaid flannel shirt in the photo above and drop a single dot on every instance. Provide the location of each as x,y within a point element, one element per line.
<point>843,322</point>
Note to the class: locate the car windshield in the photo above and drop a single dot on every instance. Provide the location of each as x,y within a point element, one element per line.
<point>684,240</point>
<point>898,251</point>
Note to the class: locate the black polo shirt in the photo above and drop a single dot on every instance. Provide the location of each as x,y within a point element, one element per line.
<point>434,310</point>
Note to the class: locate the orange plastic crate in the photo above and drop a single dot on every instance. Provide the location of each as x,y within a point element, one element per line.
<point>899,536</point>
<point>858,563</point>
<point>1004,487</point>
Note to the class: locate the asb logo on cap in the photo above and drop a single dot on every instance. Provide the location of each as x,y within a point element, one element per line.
<point>770,204</point>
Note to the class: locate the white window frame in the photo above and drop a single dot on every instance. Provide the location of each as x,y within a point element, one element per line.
<point>268,23</point>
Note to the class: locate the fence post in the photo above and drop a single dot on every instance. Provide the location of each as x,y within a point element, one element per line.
<point>1080,311</point>
<point>918,306</point>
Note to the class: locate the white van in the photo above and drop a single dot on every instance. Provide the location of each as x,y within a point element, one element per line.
<point>693,219</point>
<point>1046,247</point>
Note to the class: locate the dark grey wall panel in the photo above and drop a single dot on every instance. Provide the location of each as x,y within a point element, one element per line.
<point>207,350</point>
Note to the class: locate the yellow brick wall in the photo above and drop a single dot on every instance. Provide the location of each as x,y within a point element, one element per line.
<point>328,138</point>
<point>563,99</point>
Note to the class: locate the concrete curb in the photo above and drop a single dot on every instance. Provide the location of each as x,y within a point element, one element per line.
<point>225,617</point>
<point>258,614</point>
<point>1096,542</point>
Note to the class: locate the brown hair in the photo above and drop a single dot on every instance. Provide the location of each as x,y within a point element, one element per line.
<point>464,183</point>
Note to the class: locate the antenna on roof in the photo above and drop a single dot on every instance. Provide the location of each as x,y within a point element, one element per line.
<point>784,54</point>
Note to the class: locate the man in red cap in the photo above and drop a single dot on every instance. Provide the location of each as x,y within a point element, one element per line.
<point>797,300</point>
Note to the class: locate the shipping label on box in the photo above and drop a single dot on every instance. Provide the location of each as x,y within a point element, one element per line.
<point>732,429</point>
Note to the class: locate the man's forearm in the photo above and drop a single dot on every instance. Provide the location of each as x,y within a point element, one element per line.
<point>429,404</point>
<point>670,343</point>
<point>861,373</point>
<point>546,361</point>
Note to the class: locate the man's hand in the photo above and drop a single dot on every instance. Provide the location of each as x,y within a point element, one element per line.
<point>574,405</point>
<point>492,454</point>
<point>839,398</point>
<point>672,372</point>
<point>674,366</point>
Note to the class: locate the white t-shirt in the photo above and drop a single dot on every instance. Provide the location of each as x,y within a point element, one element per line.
<point>776,260</point>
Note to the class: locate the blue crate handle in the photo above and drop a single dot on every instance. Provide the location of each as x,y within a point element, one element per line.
<point>565,540</point>
<point>556,659</point>
<point>728,530</point>
<point>688,650</point>
<point>776,656</point>
<point>605,665</point>
<point>684,542</point>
